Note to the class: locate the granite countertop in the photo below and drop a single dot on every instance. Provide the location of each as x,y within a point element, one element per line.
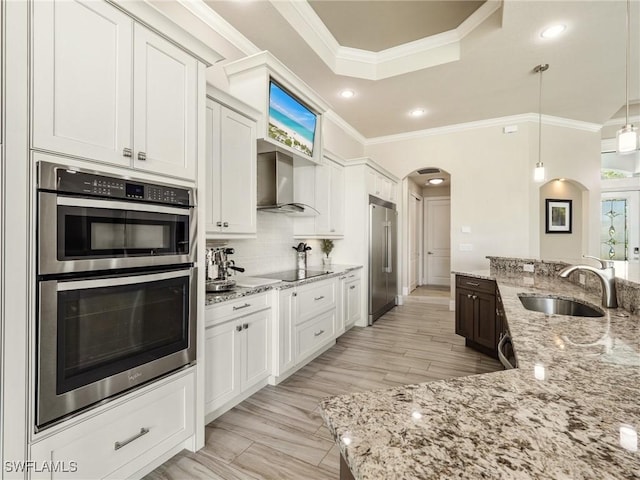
<point>238,292</point>
<point>571,410</point>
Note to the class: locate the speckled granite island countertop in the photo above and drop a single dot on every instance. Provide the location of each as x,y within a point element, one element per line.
<point>238,292</point>
<point>570,411</point>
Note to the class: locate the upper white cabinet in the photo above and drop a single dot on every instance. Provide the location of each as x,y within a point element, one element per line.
<point>106,88</point>
<point>165,114</point>
<point>231,173</point>
<point>327,186</point>
<point>380,186</point>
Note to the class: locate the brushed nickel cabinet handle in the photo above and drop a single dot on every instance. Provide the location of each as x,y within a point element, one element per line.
<point>126,152</point>
<point>119,445</point>
<point>342,278</point>
<point>317,334</point>
<point>319,298</point>
<point>473,284</point>
<point>142,156</point>
<point>242,306</point>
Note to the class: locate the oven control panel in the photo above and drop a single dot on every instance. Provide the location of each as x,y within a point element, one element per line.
<point>84,183</point>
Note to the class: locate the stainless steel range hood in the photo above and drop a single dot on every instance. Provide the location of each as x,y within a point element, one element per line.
<point>275,186</point>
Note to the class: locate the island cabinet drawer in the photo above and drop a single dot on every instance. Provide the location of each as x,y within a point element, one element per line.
<point>315,298</point>
<point>119,442</point>
<point>223,311</point>
<point>313,334</point>
<point>476,284</point>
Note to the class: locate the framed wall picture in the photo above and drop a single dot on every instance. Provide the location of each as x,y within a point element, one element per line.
<point>558,216</point>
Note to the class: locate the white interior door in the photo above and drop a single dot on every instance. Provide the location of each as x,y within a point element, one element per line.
<point>437,221</point>
<point>415,241</point>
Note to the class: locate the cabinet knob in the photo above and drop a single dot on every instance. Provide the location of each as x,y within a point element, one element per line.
<point>142,156</point>
<point>474,296</point>
<point>294,294</point>
<point>468,295</point>
<point>238,328</point>
<point>352,287</point>
<point>126,152</point>
<point>225,224</point>
<point>218,224</point>
<point>245,325</point>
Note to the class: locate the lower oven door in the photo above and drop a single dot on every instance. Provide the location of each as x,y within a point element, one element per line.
<point>98,337</point>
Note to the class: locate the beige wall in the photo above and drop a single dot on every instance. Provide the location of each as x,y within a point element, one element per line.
<point>337,141</point>
<point>562,246</point>
<point>436,191</point>
<point>492,188</point>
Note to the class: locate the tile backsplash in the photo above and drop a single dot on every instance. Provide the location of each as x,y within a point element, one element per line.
<point>272,250</point>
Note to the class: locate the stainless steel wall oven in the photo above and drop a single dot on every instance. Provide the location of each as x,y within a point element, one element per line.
<point>116,286</point>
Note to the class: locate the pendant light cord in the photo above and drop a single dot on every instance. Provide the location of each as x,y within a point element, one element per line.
<point>628,60</point>
<point>540,118</point>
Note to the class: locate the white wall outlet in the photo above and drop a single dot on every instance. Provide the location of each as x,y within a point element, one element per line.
<point>582,279</point>
<point>466,229</point>
<point>466,247</point>
<point>528,267</point>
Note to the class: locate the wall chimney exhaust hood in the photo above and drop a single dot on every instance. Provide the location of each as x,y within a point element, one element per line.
<point>275,186</point>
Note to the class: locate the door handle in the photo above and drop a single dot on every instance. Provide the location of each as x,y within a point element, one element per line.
<point>119,445</point>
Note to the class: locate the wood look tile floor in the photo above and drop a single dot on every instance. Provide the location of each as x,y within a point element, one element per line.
<point>278,433</point>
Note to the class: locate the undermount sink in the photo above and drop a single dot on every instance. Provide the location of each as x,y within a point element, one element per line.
<point>558,306</point>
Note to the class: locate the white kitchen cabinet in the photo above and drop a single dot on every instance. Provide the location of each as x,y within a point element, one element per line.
<point>352,299</point>
<point>165,114</point>
<point>231,173</point>
<point>304,325</point>
<point>237,351</point>
<point>128,434</point>
<point>106,88</point>
<point>380,185</point>
<point>325,183</point>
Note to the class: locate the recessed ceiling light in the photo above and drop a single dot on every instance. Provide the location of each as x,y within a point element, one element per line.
<point>417,112</point>
<point>435,181</point>
<point>347,93</point>
<point>553,31</point>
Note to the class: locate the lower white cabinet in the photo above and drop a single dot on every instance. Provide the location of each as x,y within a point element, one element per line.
<point>314,334</point>
<point>118,442</point>
<point>352,295</point>
<point>237,351</point>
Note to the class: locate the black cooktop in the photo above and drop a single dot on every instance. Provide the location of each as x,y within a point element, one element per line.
<point>296,275</point>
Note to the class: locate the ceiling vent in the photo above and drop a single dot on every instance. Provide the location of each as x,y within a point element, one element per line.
<point>427,171</point>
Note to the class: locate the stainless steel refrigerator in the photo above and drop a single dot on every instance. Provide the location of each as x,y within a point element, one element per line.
<point>383,234</point>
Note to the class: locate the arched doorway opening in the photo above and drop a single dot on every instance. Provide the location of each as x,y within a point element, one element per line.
<point>428,238</point>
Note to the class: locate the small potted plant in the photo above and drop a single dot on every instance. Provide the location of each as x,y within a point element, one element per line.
<point>326,246</point>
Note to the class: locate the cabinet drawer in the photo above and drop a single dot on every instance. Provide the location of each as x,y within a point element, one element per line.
<point>314,299</point>
<point>314,334</point>
<point>120,441</point>
<point>476,284</point>
<point>236,308</point>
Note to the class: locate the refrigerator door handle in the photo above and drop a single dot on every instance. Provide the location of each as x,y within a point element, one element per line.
<point>389,249</point>
<point>385,262</point>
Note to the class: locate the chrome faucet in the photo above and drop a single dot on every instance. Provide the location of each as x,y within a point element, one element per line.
<point>607,276</point>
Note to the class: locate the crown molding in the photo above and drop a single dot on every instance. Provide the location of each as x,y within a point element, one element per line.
<point>417,55</point>
<point>620,121</point>
<point>223,28</point>
<point>491,122</point>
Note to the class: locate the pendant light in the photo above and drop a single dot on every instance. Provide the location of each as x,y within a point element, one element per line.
<point>538,173</point>
<point>627,136</point>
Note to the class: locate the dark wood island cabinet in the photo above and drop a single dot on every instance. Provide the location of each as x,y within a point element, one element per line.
<point>476,314</point>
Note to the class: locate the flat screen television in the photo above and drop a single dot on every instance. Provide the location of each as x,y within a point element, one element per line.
<point>291,122</point>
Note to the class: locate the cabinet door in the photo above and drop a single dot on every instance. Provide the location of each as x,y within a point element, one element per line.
<point>484,328</point>
<point>82,71</point>
<point>384,187</point>
<point>353,303</point>
<point>323,199</point>
<point>165,106</point>
<point>286,324</point>
<point>372,183</point>
<point>222,364</point>
<point>465,311</point>
<point>336,195</point>
<point>341,306</point>
<point>238,168</point>
<point>213,211</point>
<point>256,342</point>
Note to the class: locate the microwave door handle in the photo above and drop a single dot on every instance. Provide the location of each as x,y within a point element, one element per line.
<point>112,282</point>
<point>118,205</point>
